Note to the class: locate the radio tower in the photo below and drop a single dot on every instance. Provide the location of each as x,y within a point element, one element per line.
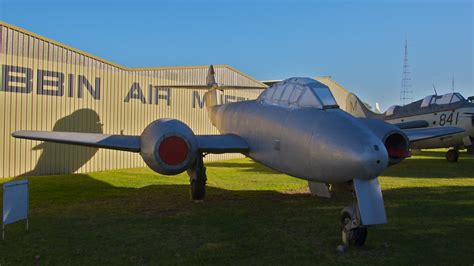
<point>405,91</point>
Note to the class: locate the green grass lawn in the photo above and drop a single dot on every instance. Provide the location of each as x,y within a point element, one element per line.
<point>251,215</point>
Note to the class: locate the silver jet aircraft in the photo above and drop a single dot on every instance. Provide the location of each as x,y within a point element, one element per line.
<point>294,127</point>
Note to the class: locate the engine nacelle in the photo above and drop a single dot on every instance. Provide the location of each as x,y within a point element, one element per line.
<point>168,146</point>
<point>395,141</point>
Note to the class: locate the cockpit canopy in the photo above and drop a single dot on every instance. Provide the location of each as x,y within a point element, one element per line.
<point>441,99</point>
<point>299,92</point>
<point>391,110</point>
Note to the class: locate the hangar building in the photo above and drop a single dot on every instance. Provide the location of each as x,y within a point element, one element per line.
<point>46,85</point>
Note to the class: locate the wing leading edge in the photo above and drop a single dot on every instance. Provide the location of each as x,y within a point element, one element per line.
<point>420,134</point>
<point>412,124</point>
<point>114,142</point>
<point>227,143</point>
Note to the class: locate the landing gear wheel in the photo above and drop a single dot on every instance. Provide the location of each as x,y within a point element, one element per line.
<point>470,150</point>
<point>354,236</point>
<point>452,155</point>
<point>197,179</point>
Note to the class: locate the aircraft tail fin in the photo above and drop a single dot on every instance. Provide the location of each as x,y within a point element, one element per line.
<point>211,77</point>
<point>358,108</point>
<point>213,96</point>
<point>377,108</point>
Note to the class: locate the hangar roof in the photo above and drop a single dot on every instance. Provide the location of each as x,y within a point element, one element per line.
<point>188,75</point>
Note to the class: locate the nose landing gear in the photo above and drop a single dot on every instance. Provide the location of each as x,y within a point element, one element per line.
<point>353,233</point>
<point>368,210</point>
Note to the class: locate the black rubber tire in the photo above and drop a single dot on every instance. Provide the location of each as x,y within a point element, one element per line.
<point>452,156</point>
<point>353,237</point>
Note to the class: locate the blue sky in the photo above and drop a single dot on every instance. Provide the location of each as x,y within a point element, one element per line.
<point>359,43</point>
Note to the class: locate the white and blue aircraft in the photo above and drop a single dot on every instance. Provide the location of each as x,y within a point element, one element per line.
<point>447,110</point>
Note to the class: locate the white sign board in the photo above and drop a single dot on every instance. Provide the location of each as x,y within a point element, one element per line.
<point>15,201</point>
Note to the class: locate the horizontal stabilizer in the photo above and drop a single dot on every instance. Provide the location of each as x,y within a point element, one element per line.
<point>431,132</point>
<point>412,124</point>
<point>271,82</point>
<point>114,142</point>
<point>228,143</point>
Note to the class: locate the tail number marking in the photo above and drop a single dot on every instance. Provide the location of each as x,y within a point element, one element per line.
<point>445,119</point>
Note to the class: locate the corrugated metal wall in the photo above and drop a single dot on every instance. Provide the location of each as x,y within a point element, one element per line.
<point>49,86</point>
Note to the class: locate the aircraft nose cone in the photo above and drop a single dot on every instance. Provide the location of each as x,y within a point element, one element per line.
<point>360,155</point>
<point>367,161</point>
<point>343,149</point>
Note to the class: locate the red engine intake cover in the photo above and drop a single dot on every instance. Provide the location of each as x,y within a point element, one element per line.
<point>173,150</point>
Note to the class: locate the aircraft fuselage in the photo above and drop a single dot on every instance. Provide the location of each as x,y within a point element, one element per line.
<point>307,143</point>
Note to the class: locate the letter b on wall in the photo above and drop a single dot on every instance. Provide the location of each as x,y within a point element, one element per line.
<point>17,79</point>
<point>50,83</point>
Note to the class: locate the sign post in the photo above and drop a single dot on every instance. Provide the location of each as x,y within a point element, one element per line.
<point>15,203</point>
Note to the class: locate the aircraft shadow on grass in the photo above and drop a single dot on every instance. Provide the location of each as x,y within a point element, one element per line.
<point>152,219</point>
<point>67,158</point>
<point>97,217</point>
<point>81,189</point>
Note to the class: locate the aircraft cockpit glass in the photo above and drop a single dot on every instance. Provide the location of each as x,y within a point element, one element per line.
<point>445,99</point>
<point>325,95</point>
<point>442,99</point>
<point>309,94</point>
<point>308,99</point>
<point>449,98</point>
<point>428,100</point>
<point>279,88</point>
<point>457,97</point>
<point>295,95</point>
<point>285,97</point>
<point>391,109</point>
<point>266,94</point>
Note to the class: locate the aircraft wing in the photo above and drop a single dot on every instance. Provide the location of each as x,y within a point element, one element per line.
<point>419,134</point>
<point>114,142</point>
<point>227,143</point>
<point>412,124</point>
